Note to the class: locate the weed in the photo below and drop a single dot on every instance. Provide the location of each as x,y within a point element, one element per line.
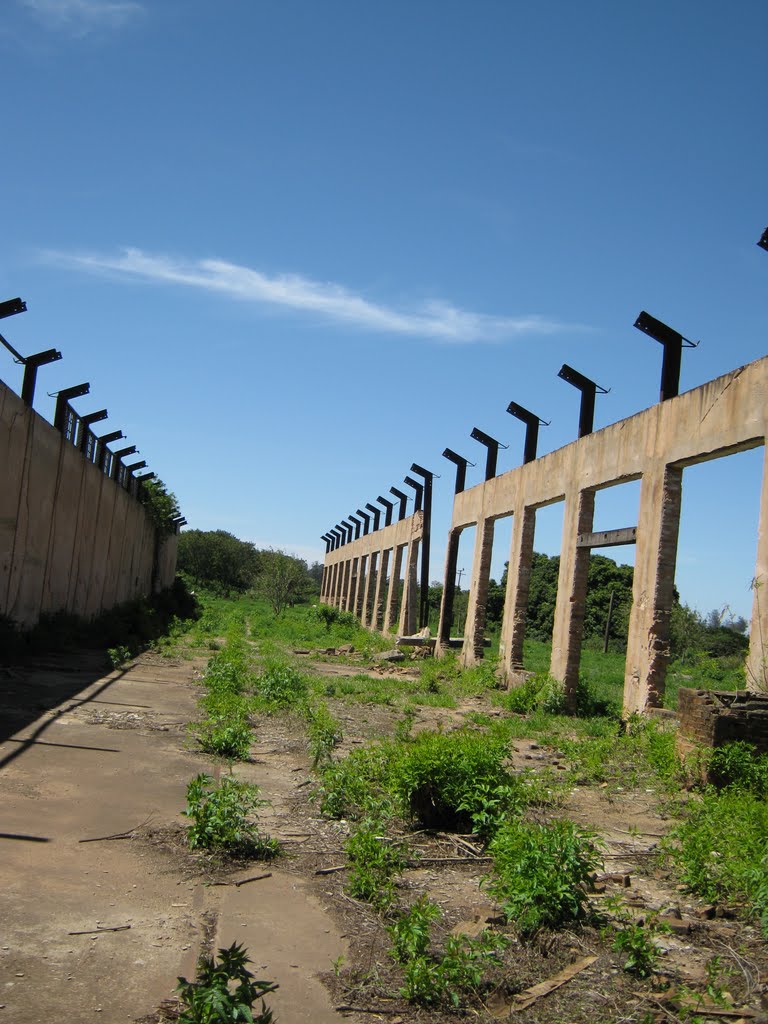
<point>410,933</point>
<point>634,941</point>
<point>226,737</point>
<point>224,992</point>
<point>348,785</point>
<point>739,765</point>
<point>542,873</point>
<point>221,817</point>
<point>447,978</point>
<point>324,734</point>
<point>281,686</point>
<point>721,848</point>
<point>374,861</point>
<point>118,656</point>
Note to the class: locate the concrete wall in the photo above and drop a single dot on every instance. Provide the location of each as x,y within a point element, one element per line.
<point>355,576</point>
<point>71,539</point>
<point>724,416</point>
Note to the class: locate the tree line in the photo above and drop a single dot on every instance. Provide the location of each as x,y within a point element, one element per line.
<point>609,586</point>
<point>219,561</point>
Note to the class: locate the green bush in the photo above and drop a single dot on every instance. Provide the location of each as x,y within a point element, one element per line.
<point>739,765</point>
<point>226,737</point>
<point>349,785</point>
<point>224,992</point>
<point>374,862</point>
<point>446,780</point>
<point>541,873</point>
<point>721,849</point>
<point>410,933</point>
<point>222,817</point>
<point>281,686</point>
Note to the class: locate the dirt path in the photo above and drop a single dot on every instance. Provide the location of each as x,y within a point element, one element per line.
<point>102,761</point>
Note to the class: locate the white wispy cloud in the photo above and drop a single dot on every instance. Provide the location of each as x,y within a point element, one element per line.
<point>435,319</point>
<point>80,17</point>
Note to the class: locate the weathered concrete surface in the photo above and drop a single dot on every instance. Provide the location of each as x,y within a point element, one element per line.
<point>722,417</point>
<point>111,754</point>
<point>71,539</point>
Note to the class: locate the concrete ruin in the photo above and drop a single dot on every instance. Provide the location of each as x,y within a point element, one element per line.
<point>72,537</point>
<point>725,416</point>
<point>364,576</point>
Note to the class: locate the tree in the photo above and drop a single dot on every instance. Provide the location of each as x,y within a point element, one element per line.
<point>283,580</point>
<point>217,559</point>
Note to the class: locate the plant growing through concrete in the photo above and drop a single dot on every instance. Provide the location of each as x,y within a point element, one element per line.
<point>224,992</point>
<point>118,656</point>
<point>222,818</point>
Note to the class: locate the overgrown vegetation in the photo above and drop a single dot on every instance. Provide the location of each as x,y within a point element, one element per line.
<point>223,818</point>
<point>541,873</point>
<point>721,846</point>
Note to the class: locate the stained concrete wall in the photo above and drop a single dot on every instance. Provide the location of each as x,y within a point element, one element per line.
<point>354,576</point>
<point>71,539</point>
<point>724,416</point>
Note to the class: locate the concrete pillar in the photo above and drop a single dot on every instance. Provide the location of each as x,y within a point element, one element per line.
<point>516,599</point>
<point>449,593</point>
<point>757,660</point>
<point>474,628</point>
<point>381,580</point>
<point>338,573</point>
<point>571,593</point>
<point>346,586</point>
<point>653,588</point>
<point>391,610</point>
<point>408,606</point>
<point>362,572</point>
<point>370,577</point>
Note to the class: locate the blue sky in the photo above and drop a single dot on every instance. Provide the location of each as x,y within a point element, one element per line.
<point>297,246</point>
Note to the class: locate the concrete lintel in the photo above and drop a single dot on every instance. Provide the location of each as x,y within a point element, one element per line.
<point>607,538</point>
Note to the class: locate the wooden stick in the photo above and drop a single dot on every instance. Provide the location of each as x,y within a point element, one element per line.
<point>96,931</point>
<point>330,871</point>
<point>527,998</point>
<point>253,878</point>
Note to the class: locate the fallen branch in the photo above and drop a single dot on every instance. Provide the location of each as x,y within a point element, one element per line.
<point>448,860</point>
<point>522,1000</point>
<point>96,931</point>
<point>117,835</point>
<point>253,878</point>
<point>349,1008</point>
<point>330,871</point>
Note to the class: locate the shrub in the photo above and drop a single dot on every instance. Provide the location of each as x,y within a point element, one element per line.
<point>348,785</point>
<point>221,817</point>
<point>722,849</point>
<point>281,686</point>
<point>444,781</point>
<point>542,873</point>
<point>739,765</point>
<point>224,992</point>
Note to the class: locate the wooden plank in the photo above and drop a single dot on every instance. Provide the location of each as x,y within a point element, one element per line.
<point>607,538</point>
